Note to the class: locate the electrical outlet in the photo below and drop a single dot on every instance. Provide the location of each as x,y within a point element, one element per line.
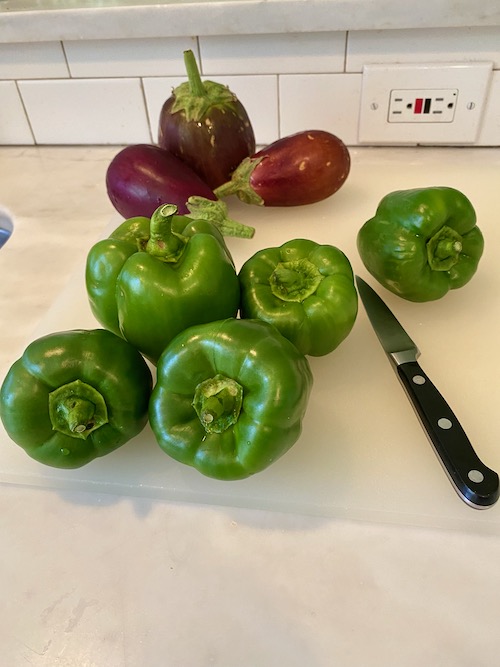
<point>434,104</point>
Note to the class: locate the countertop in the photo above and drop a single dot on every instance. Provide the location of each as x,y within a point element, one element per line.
<point>42,20</point>
<point>95,579</point>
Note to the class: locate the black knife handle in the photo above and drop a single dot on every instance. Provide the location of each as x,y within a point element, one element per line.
<point>475,482</point>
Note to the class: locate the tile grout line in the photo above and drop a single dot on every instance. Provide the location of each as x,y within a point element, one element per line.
<point>28,120</point>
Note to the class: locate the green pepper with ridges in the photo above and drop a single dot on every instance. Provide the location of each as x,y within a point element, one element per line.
<point>306,290</point>
<point>151,279</point>
<point>230,397</point>
<point>74,396</point>
<point>422,242</point>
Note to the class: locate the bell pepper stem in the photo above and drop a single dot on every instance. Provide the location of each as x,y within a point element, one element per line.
<point>77,409</point>
<point>448,247</point>
<point>216,213</point>
<point>78,413</point>
<point>163,242</point>
<point>217,402</point>
<point>295,280</point>
<point>444,248</point>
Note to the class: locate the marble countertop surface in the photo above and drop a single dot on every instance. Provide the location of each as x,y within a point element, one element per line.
<point>42,20</point>
<point>93,579</point>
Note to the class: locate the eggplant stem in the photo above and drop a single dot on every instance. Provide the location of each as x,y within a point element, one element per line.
<point>216,213</point>
<point>193,73</point>
<point>240,183</point>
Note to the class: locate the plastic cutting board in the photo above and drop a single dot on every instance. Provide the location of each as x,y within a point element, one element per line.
<point>362,454</point>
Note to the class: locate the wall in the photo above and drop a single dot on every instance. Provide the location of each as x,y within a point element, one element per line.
<point>111,91</point>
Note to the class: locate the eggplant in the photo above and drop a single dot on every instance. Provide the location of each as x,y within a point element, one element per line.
<point>205,125</point>
<point>141,177</point>
<point>302,168</point>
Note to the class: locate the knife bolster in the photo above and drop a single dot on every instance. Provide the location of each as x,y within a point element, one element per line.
<point>403,357</point>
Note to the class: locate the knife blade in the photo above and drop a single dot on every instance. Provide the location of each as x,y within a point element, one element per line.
<point>476,484</point>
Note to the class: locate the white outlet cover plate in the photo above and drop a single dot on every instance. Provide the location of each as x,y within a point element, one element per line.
<point>470,79</point>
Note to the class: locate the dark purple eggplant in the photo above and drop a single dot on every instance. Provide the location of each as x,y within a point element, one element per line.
<point>302,168</point>
<point>142,177</point>
<point>205,125</point>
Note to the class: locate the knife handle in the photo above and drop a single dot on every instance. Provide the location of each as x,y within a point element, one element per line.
<point>474,482</point>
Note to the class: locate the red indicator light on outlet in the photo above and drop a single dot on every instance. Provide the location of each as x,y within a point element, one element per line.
<point>418,105</point>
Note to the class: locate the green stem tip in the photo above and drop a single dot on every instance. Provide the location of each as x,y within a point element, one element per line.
<point>193,73</point>
<point>217,402</point>
<point>77,409</point>
<point>444,249</point>
<point>164,243</point>
<point>216,213</point>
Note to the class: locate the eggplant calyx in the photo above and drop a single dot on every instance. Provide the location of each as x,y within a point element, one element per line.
<point>196,98</point>
<point>239,184</point>
<point>216,213</point>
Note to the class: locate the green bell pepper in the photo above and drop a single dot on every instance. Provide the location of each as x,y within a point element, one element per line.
<point>421,243</point>
<point>230,397</point>
<point>305,290</point>
<point>153,278</point>
<point>74,396</point>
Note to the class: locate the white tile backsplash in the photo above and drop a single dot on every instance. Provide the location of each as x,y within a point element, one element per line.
<point>14,126</point>
<point>273,54</point>
<point>420,46</point>
<point>128,57</point>
<point>156,91</point>
<point>250,90</point>
<point>320,102</point>
<point>111,91</point>
<point>86,111</point>
<point>489,134</point>
<point>259,96</point>
<point>32,60</point>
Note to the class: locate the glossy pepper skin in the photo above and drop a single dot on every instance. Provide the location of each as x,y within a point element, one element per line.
<point>153,278</point>
<point>306,290</point>
<point>421,243</point>
<point>74,396</point>
<point>230,397</point>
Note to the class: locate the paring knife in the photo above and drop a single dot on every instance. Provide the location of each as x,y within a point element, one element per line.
<point>475,483</point>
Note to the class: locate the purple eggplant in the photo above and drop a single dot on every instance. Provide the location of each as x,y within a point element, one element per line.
<point>205,125</point>
<point>142,177</point>
<point>302,168</point>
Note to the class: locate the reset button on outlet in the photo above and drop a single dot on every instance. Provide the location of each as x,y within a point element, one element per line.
<point>434,104</point>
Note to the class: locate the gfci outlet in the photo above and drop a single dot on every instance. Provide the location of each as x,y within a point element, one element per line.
<point>431,104</point>
<point>422,106</point>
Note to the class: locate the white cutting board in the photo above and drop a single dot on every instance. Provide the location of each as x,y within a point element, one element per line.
<point>362,453</point>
